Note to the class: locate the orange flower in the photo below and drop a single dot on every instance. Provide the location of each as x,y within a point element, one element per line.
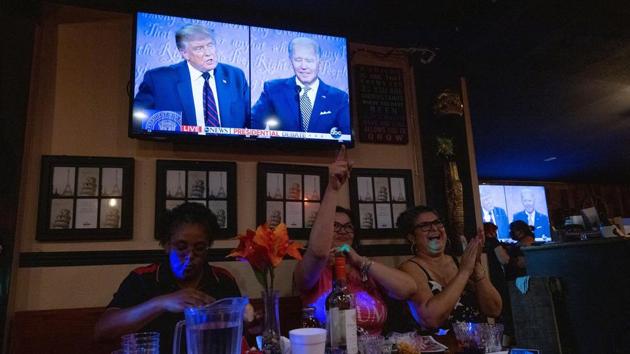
<point>276,242</point>
<point>248,251</point>
<point>264,250</point>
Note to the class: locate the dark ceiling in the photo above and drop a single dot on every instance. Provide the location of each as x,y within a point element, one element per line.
<point>547,79</point>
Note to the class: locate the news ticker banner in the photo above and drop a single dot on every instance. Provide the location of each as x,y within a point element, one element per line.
<point>264,133</point>
<point>150,121</point>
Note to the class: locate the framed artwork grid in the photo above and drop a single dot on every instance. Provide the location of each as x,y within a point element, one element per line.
<point>210,183</point>
<point>85,198</point>
<point>290,194</point>
<point>378,197</point>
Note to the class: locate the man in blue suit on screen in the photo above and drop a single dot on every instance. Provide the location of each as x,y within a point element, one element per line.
<point>303,102</point>
<point>203,91</point>
<point>531,216</point>
<point>495,215</point>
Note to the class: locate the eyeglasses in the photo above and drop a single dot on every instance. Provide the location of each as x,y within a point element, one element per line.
<point>343,228</point>
<point>426,226</point>
<point>182,248</point>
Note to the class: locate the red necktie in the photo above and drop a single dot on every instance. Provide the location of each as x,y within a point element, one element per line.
<point>210,115</point>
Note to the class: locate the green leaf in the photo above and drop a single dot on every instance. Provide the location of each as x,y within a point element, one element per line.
<point>261,276</point>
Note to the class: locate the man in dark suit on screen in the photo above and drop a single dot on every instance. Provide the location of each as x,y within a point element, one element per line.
<point>303,102</point>
<point>531,216</point>
<point>205,92</point>
<point>495,215</point>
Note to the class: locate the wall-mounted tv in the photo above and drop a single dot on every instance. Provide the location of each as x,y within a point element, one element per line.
<point>195,79</point>
<point>503,204</point>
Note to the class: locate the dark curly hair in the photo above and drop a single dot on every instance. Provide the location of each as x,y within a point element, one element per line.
<point>520,225</point>
<point>406,224</point>
<point>187,213</point>
<point>406,221</point>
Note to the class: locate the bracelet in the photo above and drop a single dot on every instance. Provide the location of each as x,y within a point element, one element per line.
<point>366,263</point>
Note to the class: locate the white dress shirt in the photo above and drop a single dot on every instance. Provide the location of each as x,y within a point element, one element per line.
<point>312,94</point>
<point>488,216</point>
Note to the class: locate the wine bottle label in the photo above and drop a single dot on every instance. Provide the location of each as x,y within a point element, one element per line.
<point>342,326</point>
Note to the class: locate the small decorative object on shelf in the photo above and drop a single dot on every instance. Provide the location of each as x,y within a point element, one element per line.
<point>448,102</point>
<point>264,250</point>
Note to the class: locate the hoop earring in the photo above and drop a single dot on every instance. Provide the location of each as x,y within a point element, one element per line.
<point>413,247</point>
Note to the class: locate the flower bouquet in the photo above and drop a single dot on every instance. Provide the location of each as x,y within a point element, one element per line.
<point>264,250</point>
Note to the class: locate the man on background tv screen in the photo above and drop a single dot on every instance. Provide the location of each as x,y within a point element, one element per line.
<point>531,216</point>
<point>199,89</point>
<point>302,102</point>
<point>494,214</point>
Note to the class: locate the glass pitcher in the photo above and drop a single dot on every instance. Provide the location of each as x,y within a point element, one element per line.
<point>212,329</point>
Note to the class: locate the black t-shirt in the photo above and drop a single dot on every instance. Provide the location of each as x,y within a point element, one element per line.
<point>512,270</point>
<point>494,266</point>
<point>145,283</point>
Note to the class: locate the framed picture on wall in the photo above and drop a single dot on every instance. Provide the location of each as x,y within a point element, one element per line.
<point>210,183</point>
<point>290,194</point>
<point>85,198</point>
<point>378,197</point>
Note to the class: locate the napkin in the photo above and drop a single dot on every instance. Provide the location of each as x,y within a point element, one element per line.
<point>522,284</point>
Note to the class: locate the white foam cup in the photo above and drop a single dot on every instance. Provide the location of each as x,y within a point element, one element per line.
<point>308,340</point>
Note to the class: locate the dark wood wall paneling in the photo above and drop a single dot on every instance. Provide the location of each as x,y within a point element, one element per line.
<point>564,199</point>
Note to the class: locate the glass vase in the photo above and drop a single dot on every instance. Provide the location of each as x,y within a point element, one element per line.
<point>271,327</point>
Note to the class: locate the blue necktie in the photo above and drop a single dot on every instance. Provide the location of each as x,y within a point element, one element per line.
<point>210,115</point>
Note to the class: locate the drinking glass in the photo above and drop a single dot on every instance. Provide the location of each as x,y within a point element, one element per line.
<point>141,343</point>
<point>478,337</point>
<point>371,344</point>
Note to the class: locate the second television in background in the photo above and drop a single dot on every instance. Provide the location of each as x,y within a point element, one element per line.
<point>503,204</point>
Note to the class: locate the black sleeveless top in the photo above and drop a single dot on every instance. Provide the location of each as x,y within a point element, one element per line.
<point>465,310</point>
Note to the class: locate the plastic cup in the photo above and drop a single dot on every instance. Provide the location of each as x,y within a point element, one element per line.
<point>308,340</point>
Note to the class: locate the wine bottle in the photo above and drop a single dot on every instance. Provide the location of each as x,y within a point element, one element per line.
<point>341,313</point>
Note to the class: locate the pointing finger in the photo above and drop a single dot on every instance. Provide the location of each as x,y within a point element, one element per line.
<point>342,155</point>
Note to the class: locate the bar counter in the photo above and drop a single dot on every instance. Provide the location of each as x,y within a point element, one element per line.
<point>593,315</point>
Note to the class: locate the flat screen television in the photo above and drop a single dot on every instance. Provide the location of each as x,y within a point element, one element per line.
<point>502,204</point>
<point>200,80</point>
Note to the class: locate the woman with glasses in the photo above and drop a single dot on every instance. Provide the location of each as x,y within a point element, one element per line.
<point>449,289</point>
<point>153,298</point>
<point>368,280</point>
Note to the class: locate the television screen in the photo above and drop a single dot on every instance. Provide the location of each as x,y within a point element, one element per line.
<point>503,204</point>
<point>212,81</point>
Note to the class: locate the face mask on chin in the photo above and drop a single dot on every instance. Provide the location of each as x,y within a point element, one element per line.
<point>434,246</point>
